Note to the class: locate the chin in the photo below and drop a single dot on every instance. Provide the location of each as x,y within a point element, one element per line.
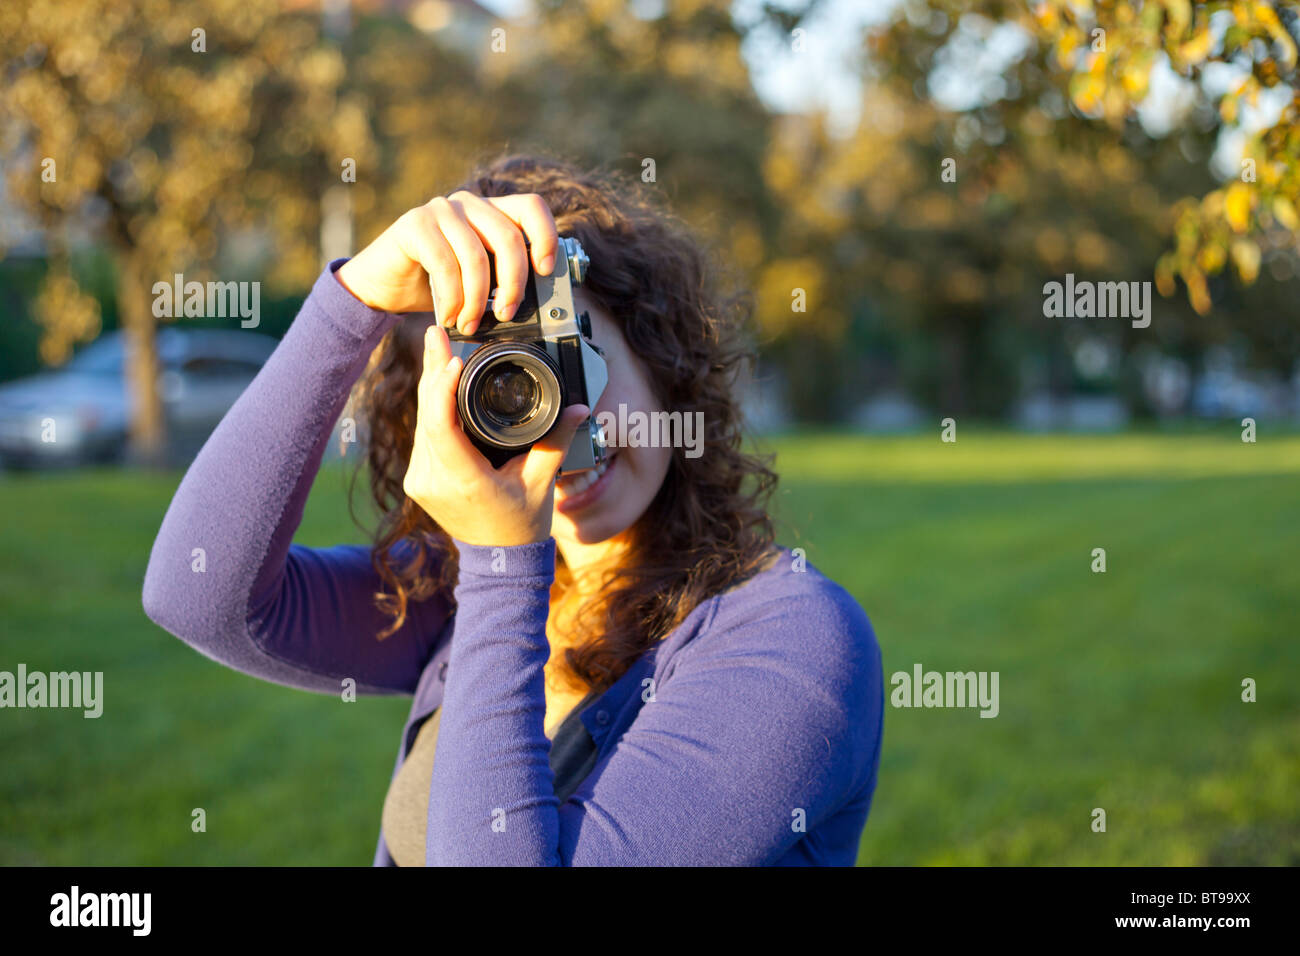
<point>591,529</point>
<point>601,510</point>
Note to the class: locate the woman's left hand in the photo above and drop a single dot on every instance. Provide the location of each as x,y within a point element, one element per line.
<point>456,486</point>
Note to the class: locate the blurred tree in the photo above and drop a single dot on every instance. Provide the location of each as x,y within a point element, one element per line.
<point>951,221</point>
<point>666,99</point>
<point>1110,50</point>
<point>969,182</point>
<point>669,99</point>
<point>214,149</point>
<point>166,126</point>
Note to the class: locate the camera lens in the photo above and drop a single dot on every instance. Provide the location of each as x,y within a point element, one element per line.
<point>510,393</point>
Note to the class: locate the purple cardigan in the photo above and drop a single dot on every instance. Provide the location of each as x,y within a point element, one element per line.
<point>749,735</point>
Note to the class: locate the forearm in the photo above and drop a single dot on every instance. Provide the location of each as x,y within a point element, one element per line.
<point>492,799</point>
<point>223,545</point>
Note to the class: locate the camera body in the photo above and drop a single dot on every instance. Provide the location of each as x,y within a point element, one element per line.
<point>519,375</point>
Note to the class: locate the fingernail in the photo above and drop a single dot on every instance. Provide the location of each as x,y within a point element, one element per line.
<point>503,310</point>
<point>547,264</point>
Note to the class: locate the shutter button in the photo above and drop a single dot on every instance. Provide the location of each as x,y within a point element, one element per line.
<point>602,717</point>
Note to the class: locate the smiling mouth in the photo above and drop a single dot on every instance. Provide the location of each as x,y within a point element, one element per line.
<point>580,481</point>
<point>579,491</point>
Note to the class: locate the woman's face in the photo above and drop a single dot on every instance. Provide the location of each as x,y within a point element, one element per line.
<point>595,506</point>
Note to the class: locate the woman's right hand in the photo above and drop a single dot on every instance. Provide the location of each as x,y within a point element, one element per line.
<point>442,248</point>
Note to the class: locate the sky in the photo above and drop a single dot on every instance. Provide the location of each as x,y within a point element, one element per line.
<point>822,75</point>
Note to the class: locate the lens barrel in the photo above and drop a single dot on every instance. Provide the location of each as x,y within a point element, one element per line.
<point>509,394</point>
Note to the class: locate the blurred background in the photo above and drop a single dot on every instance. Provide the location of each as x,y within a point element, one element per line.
<point>897,182</point>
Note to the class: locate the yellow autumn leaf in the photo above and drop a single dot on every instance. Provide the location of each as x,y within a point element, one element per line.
<point>1086,90</point>
<point>1198,292</point>
<point>1198,47</point>
<point>1180,15</point>
<point>1066,44</point>
<point>1245,255</point>
<point>1270,171</point>
<point>1285,212</point>
<point>1136,77</point>
<point>1265,15</point>
<point>1211,258</point>
<point>1237,205</point>
<point>1165,276</point>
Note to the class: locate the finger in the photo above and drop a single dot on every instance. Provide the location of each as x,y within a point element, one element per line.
<point>530,212</point>
<point>545,457</point>
<point>437,350</point>
<point>472,258</point>
<point>502,237</point>
<point>429,411</point>
<point>421,240</point>
<point>437,416</point>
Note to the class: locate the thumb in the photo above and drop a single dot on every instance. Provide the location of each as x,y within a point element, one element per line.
<point>545,457</point>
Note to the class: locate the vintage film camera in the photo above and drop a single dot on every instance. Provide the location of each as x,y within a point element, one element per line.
<point>519,375</point>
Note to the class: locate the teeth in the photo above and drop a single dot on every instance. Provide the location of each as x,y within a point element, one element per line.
<point>580,482</point>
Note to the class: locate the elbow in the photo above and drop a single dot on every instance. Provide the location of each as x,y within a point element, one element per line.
<point>187,600</point>
<point>155,597</point>
<point>169,597</point>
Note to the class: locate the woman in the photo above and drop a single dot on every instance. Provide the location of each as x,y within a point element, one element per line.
<point>624,671</point>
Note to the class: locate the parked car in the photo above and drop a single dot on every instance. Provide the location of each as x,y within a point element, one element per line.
<point>79,413</point>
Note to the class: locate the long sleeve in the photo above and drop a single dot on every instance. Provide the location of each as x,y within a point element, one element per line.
<point>224,575</point>
<point>768,723</point>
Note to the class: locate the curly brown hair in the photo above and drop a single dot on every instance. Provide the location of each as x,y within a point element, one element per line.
<point>708,528</point>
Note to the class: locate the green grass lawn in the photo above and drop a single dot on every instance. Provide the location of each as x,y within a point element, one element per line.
<point>1119,690</point>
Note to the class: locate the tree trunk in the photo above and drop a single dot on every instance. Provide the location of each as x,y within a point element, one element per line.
<point>147,429</point>
<point>953,353</point>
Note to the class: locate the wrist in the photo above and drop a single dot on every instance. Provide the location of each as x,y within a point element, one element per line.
<point>514,538</point>
<point>532,562</point>
<point>346,276</point>
<point>344,311</point>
